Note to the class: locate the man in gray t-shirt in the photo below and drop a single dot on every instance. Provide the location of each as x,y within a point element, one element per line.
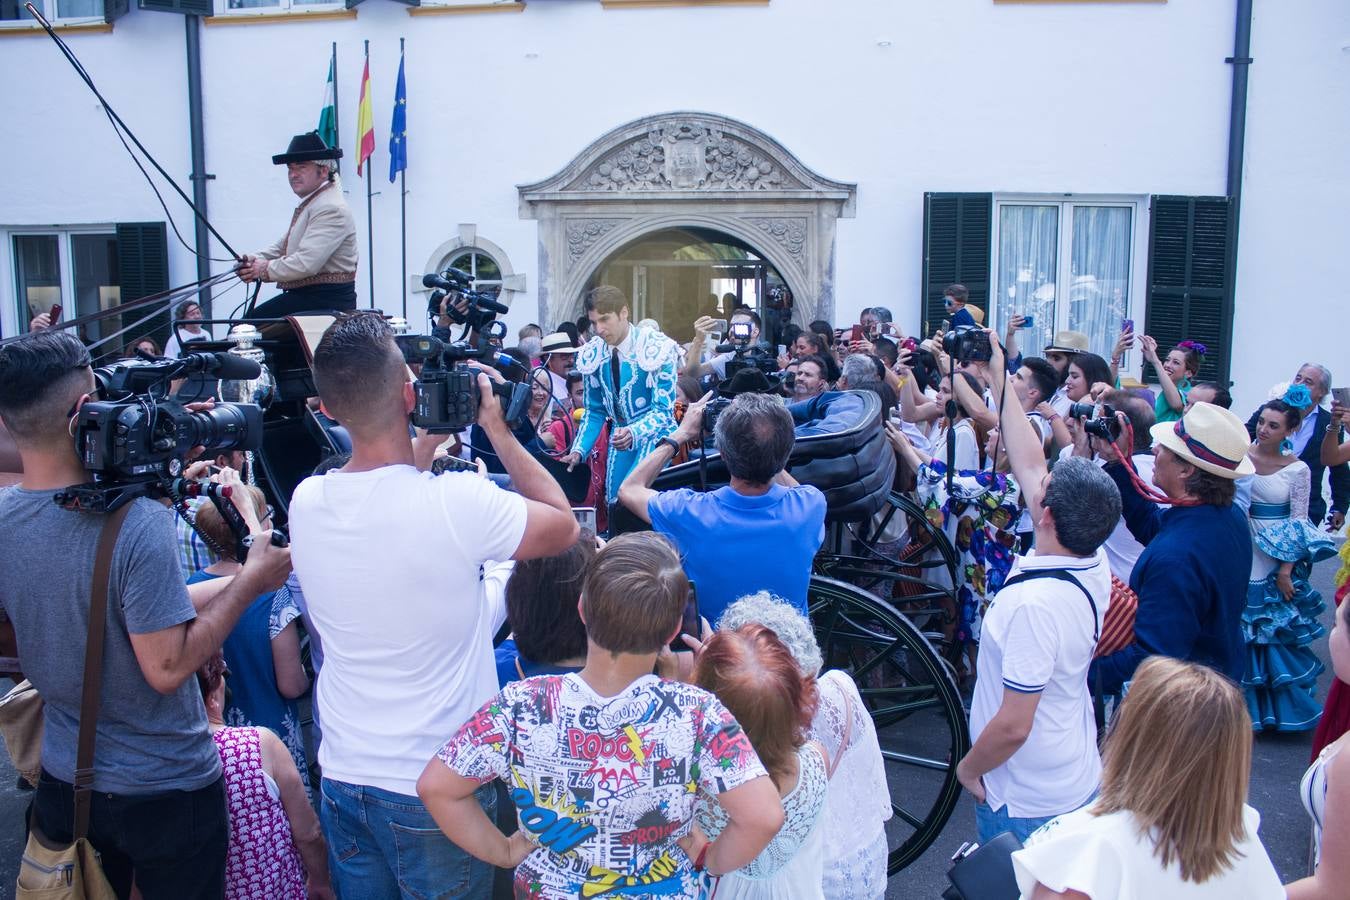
<point>158,807</point>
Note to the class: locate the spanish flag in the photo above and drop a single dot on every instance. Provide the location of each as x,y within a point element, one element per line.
<point>365,122</point>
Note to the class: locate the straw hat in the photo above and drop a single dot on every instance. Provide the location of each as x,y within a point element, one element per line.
<point>557,342</point>
<point>1068,342</point>
<point>1208,437</point>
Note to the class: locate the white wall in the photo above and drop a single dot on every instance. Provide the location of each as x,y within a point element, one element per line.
<point>969,95</point>
<point>1293,278</point>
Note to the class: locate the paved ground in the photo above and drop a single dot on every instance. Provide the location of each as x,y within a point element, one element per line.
<point>1277,764</point>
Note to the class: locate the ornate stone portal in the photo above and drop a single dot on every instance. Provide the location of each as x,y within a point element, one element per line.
<point>686,169</point>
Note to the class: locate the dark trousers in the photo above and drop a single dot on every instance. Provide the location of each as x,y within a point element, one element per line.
<point>173,841</point>
<point>311,298</point>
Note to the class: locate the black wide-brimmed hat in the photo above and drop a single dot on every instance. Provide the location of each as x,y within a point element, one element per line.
<point>307,147</point>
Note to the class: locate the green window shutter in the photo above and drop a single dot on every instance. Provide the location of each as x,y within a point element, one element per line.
<point>115,9</point>
<point>142,270</point>
<point>957,229</point>
<point>1188,292</point>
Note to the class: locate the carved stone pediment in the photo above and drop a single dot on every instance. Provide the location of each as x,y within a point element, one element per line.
<point>686,152</point>
<point>686,169</point>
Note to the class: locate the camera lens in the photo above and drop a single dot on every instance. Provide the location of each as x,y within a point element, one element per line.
<point>229,426</point>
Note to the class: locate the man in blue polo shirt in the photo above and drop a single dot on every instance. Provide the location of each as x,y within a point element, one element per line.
<point>760,532</point>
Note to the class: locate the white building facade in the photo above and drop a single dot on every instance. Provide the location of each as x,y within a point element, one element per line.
<point>1065,159</point>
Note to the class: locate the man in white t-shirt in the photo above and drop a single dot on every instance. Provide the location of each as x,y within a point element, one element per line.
<point>392,560</point>
<point>1034,754</point>
<point>695,365</point>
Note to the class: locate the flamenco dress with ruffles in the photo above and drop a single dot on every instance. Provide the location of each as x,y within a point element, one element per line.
<point>1281,678</point>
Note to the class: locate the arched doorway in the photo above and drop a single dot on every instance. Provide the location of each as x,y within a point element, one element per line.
<point>686,170</point>
<point>675,275</point>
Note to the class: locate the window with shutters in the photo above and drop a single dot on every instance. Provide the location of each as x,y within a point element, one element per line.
<point>85,269</point>
<point>257,7</point>
<point>1188,293</point>
<point>955,251</point>
<point>58,12</point>
<point>1069,263</point>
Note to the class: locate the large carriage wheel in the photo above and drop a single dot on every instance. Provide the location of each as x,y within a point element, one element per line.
<point>913,701</point>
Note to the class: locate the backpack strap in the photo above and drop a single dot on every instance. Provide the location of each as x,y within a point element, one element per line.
<point>1059,575</point>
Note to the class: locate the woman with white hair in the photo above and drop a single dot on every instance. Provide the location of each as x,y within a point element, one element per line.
<point>859,800</point>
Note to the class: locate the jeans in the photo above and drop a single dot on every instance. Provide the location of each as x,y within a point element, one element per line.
<point>383,845</point>
<point>989,823</point>
<point>175,841</point>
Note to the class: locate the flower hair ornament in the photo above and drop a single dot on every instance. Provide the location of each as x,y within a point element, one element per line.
<point>1195,347</point>
<point>1298,396</point>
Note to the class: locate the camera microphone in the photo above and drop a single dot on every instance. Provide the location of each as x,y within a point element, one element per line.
<point>432,280</point>
<point>227,366</point>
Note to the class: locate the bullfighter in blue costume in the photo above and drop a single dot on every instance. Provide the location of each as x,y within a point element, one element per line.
<point>629,374</point>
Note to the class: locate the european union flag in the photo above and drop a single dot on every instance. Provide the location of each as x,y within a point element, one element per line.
<point>398,129</point>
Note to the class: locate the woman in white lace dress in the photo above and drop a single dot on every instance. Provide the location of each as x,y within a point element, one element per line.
<point>755,676</point>
<point>859,802</point>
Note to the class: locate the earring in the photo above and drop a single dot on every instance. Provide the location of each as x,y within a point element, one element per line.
<point>1286,446</point>
<point>70,427</point>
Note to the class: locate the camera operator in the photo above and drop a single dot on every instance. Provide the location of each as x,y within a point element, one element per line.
<point>155,764</point>
<point>1034,752</point>
<point>1122,550</point>
<point>1191,592</point>
<point>391,560</point>
<point>717,364</point>
<point>761,531</point>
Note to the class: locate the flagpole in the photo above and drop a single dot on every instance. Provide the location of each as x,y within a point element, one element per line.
<point>370,215</point>
<point>403,210</point>
<point>337,126</point>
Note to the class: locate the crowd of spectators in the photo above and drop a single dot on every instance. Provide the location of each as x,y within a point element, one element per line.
<point>500,689</point>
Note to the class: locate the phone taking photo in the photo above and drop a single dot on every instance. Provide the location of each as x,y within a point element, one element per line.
<point>690,623</point>
<point>1342,396</point>
<point>859,333</point>
<point>585,516</point>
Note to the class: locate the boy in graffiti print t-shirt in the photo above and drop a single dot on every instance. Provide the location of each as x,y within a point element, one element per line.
<point>604,783</point>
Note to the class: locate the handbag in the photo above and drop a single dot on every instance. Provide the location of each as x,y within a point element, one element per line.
<point>21,726</point>
<point>984,871</point>
<point>52,871</point>
<point>1118,623</point>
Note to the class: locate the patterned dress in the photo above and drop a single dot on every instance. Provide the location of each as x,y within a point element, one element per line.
<point>792,866</point>
<point>642,399</point>
<point>254,698</point>
<point>1281,677</point>
<point>263,863</point>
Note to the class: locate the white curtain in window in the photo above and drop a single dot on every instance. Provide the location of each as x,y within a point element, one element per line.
<point>1028,251</point>
<point>1099,289</point>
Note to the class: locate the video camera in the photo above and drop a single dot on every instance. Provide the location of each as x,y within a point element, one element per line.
<point>746,355</point>
<point>134,440</point>
<point>966,343</point>
<point>474,309</point>
<point>1099,420</point>
<point>447,386</point>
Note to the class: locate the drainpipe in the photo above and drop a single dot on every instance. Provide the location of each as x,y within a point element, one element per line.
<point>198,141</point>
<point>1241,61</point>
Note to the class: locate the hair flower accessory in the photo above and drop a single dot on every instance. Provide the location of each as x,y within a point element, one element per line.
<point>1298,395</point>
<point>1194,346</point>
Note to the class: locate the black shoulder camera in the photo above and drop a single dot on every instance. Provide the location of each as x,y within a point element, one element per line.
<point>447,386</point>
<point>134,439</point>
<point>473,309</point>
<point>966,343</point>
<point>1099,420</point>
<point>747,355</point>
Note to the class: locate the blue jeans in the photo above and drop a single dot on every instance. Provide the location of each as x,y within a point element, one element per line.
<point>990,823</point>
<point>383,845</point>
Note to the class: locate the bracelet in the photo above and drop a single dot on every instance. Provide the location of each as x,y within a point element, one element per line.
<point>673,444</point>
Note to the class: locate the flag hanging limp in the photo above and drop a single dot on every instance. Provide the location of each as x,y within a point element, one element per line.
<point>365,123</point>
<point>398,129</point>
<point>328,115</point>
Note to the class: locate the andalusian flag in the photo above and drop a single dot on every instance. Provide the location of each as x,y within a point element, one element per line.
<point>328,115</point>
<point>365,122</point>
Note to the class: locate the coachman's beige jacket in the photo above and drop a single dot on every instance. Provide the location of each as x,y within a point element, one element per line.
<point>319,247</point>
